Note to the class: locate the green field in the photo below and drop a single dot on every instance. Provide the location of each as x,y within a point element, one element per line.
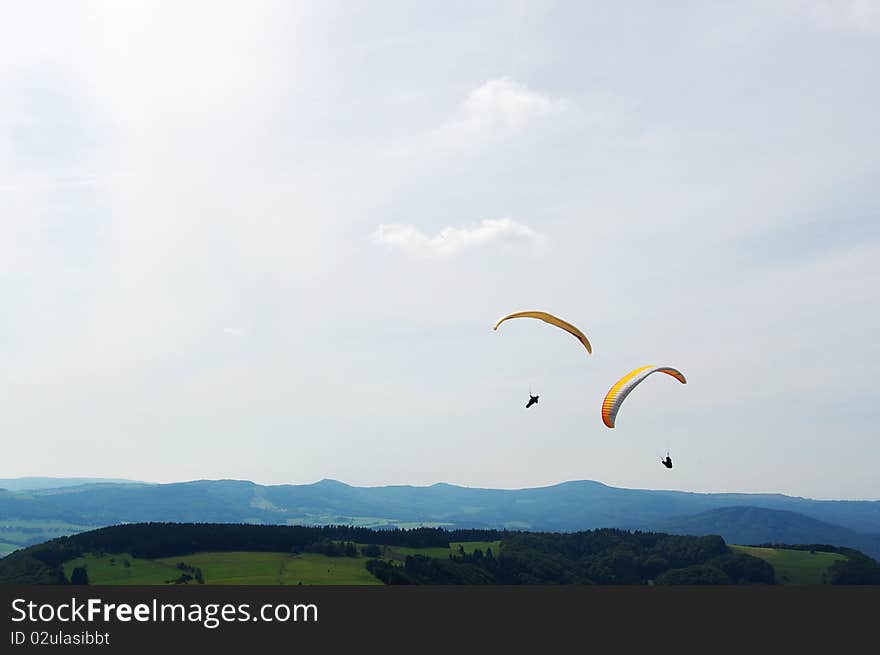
<point>470,546</point>
<point>399,553</point>
<point>256,568</point>
<point>234,568</point>
<point>111,570</point>
<point>795,566</point>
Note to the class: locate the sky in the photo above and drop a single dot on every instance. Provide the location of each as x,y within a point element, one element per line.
<point>269,241</point>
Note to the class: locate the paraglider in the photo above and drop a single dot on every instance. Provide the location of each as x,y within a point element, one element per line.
<point>552,320</point>
<point>622,388</point>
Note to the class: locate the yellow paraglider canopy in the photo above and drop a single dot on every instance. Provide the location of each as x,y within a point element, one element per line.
<point>622,388</point>
<point>552,320</point>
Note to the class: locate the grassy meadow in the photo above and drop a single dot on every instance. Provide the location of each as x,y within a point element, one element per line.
<point>272,568</point>
<point>795,566</point>
<point>256,568</point>
<point>232,568</point>
<point>470,546</point>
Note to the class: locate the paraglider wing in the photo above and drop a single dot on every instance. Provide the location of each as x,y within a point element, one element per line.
<point>622,388</point>
<point>552,320</point>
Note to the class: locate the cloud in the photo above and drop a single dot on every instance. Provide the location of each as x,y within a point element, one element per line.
<point>496,110</point>
<point>505,104</point>
<point>451,241</point>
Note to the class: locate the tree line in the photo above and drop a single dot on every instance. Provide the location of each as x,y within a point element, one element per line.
<point>605,556</point>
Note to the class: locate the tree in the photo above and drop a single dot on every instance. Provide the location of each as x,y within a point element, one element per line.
<point>79,576</point>
<point>371,550</point>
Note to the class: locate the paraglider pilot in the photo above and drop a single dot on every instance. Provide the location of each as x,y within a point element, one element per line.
<point>532,400</point>
<point>667,462</point>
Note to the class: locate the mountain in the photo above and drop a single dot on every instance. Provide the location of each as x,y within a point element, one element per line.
<point>32,484</point>
<point>570,506</point>
<point>757,525</point>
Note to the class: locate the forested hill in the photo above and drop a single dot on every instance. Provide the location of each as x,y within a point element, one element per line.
<point>606,556</point>
<point>755,525</point>
<point>602,556</point>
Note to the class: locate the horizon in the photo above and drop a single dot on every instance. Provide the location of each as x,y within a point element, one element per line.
<point>271,242</point>
<point>428,485</point>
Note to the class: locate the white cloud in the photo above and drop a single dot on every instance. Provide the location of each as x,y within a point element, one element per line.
<point>505,104</point>
<point>451,241</point>
<point>496,110</point>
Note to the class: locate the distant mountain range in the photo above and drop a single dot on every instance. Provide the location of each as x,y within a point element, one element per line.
<point>570,506</point>
<point>32,484</point>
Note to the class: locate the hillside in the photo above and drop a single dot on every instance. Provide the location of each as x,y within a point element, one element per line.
<point>757,525</point>
<point>796,566</point>
<point>224,568</point>
<point>167,553</point>
<point>163,553</point>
